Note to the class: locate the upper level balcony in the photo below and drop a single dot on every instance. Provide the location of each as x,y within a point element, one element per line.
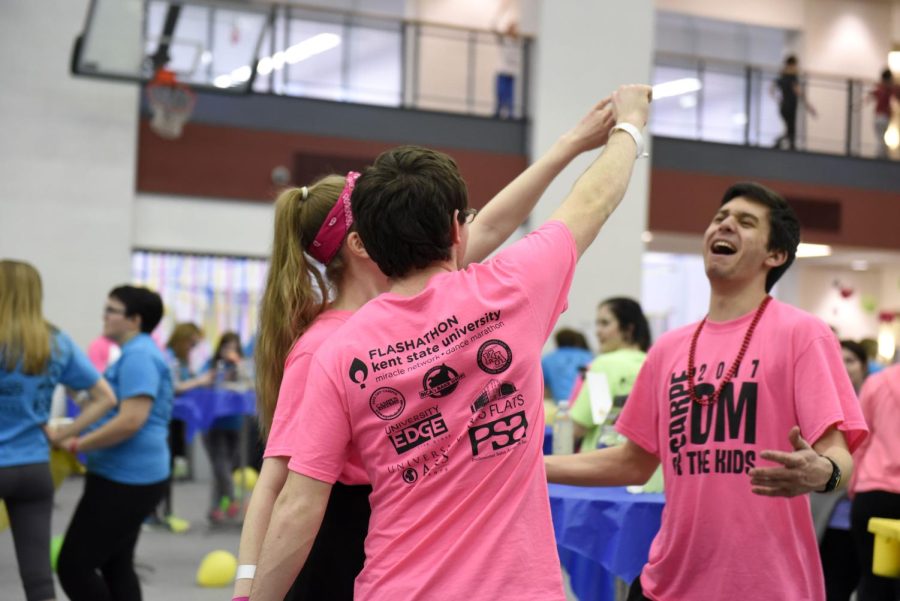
<point>293,51</point>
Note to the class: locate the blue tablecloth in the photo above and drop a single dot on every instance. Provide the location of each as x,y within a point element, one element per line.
<point>198,408</point>
<point>602,533</point>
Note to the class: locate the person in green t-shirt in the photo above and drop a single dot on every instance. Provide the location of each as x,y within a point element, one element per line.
<point>624,337</point>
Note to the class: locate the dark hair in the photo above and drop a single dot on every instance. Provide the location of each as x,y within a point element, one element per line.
<point>870,345</point>
<point>225,339</point>
<point>566,337</point>
<point>403,205</point>
<point>859,351</point>
<point>784,227</point>
<point>631,318</point>
<point>886,75</point>
<point>142,302</point>
<point>790,60</point>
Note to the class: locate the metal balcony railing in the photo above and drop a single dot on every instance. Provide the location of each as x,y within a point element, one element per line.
<point>294,50</point>
<point>721,101</point>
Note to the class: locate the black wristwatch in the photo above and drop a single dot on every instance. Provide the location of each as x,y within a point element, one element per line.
<point>835,479</point>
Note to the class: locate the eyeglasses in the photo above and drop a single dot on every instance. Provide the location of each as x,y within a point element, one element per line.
<point>466,216</point>
<point>107,310</point>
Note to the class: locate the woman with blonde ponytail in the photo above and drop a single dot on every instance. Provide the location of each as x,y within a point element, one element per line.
<point>34,358</point>
<point>293,296</point>
<point>301,309</point>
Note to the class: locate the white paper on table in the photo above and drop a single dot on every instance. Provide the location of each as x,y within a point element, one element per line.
<point>601,398</point>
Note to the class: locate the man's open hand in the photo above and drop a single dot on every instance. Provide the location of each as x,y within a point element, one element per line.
<point>800,472</point>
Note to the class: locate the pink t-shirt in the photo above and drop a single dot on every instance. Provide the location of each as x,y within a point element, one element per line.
<point>718,540</point>
<point>877,460</point>
<point>443,395</point>
<point>290,395</point>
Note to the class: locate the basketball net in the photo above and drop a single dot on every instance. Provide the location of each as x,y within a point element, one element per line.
<point>171,104</point>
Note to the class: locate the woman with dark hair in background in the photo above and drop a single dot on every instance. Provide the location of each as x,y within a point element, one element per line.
<point>624,337</point>
<point>222,440</point>
<point>127,457</point>
<point>856,361</point>
<point>34,358</point>
<point>839,561</point>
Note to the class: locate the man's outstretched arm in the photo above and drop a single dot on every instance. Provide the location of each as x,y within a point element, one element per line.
<point>621,465</point>
<point>599,190</point>
<point>295,522</point>
<point>508,209</point>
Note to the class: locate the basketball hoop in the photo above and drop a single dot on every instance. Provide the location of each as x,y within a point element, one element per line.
<point>171,104</point>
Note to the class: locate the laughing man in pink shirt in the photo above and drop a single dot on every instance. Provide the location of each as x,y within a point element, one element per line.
<point>727,405</point>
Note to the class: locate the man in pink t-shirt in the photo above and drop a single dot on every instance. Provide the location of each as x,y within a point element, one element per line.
<point>437,385</point>
<point>727,406</point>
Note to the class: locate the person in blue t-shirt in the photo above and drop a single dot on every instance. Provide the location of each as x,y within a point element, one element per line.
<point>222,440</point>
<point>127,457</point>
<point>560,367</point>
<point>34,358</point>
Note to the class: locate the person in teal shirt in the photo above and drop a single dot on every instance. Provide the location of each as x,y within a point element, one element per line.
<point>561,367</point>
<point>34,358</point>
<point>127,456</point>
<point>624,337</point>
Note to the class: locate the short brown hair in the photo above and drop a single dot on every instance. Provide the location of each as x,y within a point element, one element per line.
<point>403,205</point>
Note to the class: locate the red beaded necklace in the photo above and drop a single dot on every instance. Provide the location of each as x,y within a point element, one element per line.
<point>711,400</point>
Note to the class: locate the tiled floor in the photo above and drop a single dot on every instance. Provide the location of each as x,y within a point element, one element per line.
<point>166,563</point>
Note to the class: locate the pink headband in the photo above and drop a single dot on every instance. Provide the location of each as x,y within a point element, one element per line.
<point>331,235</point>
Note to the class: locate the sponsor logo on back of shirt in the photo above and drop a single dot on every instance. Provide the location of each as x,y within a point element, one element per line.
<point>440,381</point>
<point>494,356</point>
<point>495,390</point>
<point>415,434</point>
<point>492,438</point>
<point>387,403</point>
<point>358,372</point>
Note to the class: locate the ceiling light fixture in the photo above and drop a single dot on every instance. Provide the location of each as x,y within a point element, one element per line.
<point>806,251</point>
<point>894,61</point>
<point>298,52</point>
<point>892,137</point>
<point>676,87</point>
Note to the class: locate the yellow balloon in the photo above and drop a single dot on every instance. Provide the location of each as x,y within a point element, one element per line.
<point>217,569</point>
<point>4,517</point>
<point>244,478</point>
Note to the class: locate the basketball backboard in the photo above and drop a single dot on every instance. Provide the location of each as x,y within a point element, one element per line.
<point>208,44</point>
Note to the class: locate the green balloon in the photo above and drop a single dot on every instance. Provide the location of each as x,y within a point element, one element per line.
<point>55,545</point>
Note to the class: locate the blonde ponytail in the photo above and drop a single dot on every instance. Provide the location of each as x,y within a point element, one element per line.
<point>24,334</point>
<point>291,302</point>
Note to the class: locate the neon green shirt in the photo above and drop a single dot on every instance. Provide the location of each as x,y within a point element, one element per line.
<point>621,368</point>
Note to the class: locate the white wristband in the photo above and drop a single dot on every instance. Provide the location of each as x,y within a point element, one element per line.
<point>245,572</point>
<point>635,134</point>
